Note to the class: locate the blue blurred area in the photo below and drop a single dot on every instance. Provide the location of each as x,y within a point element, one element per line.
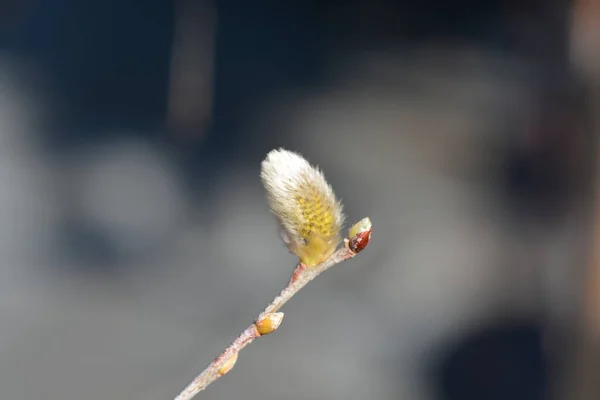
<point>109,60</point>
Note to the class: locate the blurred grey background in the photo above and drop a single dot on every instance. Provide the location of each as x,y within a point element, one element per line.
<point>136,243</point>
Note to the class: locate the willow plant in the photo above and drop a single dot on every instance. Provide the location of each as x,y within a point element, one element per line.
<point>310,220</point>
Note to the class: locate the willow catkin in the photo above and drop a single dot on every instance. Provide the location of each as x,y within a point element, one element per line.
<point>304,203</point>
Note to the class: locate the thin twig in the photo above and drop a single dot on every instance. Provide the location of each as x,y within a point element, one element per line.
<point>301,277</point>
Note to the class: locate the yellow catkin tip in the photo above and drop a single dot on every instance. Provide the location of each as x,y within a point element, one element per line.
<point>269,323</point>
<point>315,251</point>
<point>229,364</point>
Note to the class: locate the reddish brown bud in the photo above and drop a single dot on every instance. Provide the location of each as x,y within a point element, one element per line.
<point>360,235</point>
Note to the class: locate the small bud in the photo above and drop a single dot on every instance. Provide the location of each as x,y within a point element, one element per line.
<point>269,323</point>
<point>305,206</point>
<point>360,234</point>
<point>229,364</point>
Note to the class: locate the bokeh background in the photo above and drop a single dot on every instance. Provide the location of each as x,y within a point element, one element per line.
<point>136,243</point>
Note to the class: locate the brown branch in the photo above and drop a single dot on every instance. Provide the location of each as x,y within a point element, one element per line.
<point>268,321</point>
<point>189,103</point>
<point>581,380</point>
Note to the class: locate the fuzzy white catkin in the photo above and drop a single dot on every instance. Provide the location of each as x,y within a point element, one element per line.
<point>304,203</point>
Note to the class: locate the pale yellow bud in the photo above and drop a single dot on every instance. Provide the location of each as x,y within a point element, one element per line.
<point>304,204</point>
<point>361,226</point>
<point>229,364</point>
<point>269,323</point>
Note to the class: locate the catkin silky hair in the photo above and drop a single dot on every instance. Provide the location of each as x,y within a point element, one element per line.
<point>306,208</point>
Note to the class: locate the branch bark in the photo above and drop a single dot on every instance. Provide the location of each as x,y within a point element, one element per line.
<point>268,321</point>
